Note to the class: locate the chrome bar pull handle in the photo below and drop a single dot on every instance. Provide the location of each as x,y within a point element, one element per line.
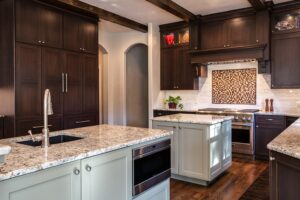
<point>66,83</point>
<point>63,82</point>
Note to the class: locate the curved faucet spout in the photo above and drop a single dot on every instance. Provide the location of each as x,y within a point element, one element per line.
<point>48,110</point>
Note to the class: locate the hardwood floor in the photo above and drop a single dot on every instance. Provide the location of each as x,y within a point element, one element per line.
<point>230,186</point>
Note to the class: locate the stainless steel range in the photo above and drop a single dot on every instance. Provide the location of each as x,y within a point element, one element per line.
<point>242,127</point>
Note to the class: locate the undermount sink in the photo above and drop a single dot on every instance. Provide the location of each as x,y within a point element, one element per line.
<point>53,140</point>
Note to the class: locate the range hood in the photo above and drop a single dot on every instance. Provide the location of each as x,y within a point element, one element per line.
<point>232,53</point>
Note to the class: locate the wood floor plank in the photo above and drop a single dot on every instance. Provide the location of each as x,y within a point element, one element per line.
<point>231,186</point>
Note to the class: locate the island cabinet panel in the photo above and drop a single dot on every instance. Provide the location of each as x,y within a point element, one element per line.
<point>199,153</point>
<point>174,142</point>
<point>193,152</point>
<point>267,127</point>
<point>80,34</point>
<point>284,177</point>
<point>59,183</point>
<point>159,192</point>
<point>108,176</point>
<point>37,24</point>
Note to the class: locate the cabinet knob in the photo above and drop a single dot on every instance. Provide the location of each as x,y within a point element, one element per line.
<point>224,45</point>
<point>88,168</point>
<point>272,158</point>
<point>40,41</point>
<point>257,126</point>
<point>76,171</point>
<point>43,42</point>
<point>257,41</point>
<point>228,45</point>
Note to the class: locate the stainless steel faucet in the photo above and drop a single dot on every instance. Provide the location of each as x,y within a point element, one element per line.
<point>48,110</point>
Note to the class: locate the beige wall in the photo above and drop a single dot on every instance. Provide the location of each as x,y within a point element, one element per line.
<point>116,44</point>
<point>284,100</point>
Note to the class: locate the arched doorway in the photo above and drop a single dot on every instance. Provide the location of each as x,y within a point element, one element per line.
<point>137,86</point>
<point>103,85</point>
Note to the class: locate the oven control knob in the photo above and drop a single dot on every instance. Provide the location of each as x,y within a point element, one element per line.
<point>236,117</point>
<point>244,118</point>
<point>249,119</point>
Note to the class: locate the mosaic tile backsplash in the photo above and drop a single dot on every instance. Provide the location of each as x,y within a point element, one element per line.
<point>234,86</point>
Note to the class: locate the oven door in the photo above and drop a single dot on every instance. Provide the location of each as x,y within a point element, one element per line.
<point>151,167</point>
<point>242,138</point>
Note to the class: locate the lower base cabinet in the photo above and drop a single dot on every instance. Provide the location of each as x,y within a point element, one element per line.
<point>284,177</point>
<point>159,192</point>
<point>107,176</point>
<point>58,183</point>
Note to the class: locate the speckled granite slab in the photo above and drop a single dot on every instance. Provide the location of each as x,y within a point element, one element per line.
<point>97,140</point>
<point>289,114</point>
<point>288,142</point>
<point>193,118</point>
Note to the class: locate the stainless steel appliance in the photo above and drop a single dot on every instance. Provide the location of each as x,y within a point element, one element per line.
<point>151,165</point>
<point>242,127</point>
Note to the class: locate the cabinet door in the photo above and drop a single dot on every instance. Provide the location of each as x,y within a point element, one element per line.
<point>264,135</point>
<point>52,69</point>
<point>226,144</point>
<point>51,27</point>
<point>1,127</point>
<point>213,35</point>
<point>71,35</point>
<point>89,36</point>
<point>28,81</point>
<point>174,142</point>
<point>80,121</point>
<point>193,141</point>
<point>90,84</point>
<point>27,22</point>
<point>241,31</point>
<point>286,62</point>
<point>168,65</point>
<point>73,80</point>
<point>108,176</point>
<point>59,183</point>
<point>184,70</point>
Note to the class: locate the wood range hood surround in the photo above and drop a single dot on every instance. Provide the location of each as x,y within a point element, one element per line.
<point>203,57</point>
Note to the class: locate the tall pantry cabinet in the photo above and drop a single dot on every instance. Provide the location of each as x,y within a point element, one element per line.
<point>47,47</point>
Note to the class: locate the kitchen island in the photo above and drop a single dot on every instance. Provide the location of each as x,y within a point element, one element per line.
<point>99,166</point>
<point>285,164</point>
<point>201,145</point>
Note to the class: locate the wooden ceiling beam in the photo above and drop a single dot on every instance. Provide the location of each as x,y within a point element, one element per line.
<point>102,14</point>
<point>257,4</point>
<point>174,9</point>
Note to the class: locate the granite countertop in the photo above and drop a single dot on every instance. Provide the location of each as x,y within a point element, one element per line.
<point>289,114</point>
<point>288,142</point>
<point>193,118</point>
<point>97,140</point>
<point>177,110</point>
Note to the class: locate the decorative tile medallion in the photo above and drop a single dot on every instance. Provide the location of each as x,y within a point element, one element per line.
<point>236,86</point>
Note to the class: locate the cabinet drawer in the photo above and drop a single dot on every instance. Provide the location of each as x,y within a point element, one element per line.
<point>81,121</point>
<point>36,126</point>
<point>270,120</point>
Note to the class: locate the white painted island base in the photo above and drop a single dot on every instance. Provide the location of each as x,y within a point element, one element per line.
<point>199,152</point>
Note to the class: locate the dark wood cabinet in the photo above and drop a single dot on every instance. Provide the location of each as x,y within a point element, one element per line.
<point>177,72</point>
<point>80,34</point>
<point>267,127</point>
<point>35,58</point>
<point>1,127</point>
<point>73,84</point>
<point>240,31</point>
<point>284,177</point>
<point>213,35</point>
<point>80,121</point>
<point>285,60</point>
<point>28,81</point>
<point>37,24</point>
<point>52,75</point>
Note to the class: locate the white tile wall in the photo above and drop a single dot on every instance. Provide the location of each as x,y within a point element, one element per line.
<point>284,100</point>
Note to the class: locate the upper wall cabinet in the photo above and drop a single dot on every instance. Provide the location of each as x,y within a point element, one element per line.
<point>80,34</point>
<point>235,32</point>
<point>36,24</point>
<point>285,48</point>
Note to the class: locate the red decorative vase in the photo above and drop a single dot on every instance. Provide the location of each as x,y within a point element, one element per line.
<point>172,105</point>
